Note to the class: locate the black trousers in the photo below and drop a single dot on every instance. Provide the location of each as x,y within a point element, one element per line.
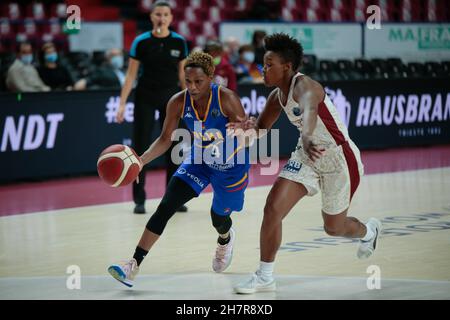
<point>145,106</point>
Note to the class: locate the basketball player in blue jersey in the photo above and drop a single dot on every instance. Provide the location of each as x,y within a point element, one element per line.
<point>206,109</point>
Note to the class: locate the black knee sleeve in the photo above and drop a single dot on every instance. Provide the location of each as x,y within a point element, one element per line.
<point>159,219</point>
<point>177,193</point>
<point>221,223</point>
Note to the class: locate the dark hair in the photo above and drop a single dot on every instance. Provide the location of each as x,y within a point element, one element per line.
<point>48,45</point>
<point>213,46</point>
<point>288,48</point>
<point>23,43</point>
<point>258,35</point>
<point>246,47</point>
<point>160,4</point>
<point>200,60</point>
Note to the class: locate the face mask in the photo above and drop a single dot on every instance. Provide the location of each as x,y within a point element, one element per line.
<point>249,56</point>
<point>217,60</point>
<point>27,58</point>
<point>51,57</point>
<point>117,62</point>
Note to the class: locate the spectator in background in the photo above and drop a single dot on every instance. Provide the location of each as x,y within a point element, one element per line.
<point>22,75</point>
<point>110,75</point>
<point>224,74</point>
<point>258,45</point>
<point>231,49</point>
<point>247,71</point>
<point>51,72</point>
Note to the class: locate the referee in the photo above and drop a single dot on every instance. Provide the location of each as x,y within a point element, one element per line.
<point>159,56</point>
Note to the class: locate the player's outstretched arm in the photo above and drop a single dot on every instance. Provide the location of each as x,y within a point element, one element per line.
<point>259,127</point>
<point>233,109</point>
<point>232,106</point>
<point>163,142</point>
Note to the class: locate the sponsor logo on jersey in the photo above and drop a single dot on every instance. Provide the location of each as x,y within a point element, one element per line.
<point>292,166</point>
<point>175,53</point>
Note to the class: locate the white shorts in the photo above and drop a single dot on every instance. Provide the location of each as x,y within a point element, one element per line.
<point>336,174</point>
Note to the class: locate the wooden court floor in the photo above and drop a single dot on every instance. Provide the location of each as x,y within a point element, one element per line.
<point>38,251</point>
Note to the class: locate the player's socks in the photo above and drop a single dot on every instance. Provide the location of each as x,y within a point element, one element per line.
<point>224,241</point>
<point>369,233</point>
<point>139,255</point>
<point>265,270</point>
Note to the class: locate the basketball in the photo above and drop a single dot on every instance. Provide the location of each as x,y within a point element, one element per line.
<point>118,165</point>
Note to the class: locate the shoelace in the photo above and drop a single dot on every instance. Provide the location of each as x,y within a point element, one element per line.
<point>253,281</point>
<point>128,267</point>
<point>221,252</point>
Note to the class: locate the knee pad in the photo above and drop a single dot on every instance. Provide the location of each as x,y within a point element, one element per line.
<point>221,223</point>
<point>159,219</point>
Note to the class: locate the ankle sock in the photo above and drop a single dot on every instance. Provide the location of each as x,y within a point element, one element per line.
<point>369,233</point>
<point>265,270</point>
<point>139,255</point>
<point>224,241</point>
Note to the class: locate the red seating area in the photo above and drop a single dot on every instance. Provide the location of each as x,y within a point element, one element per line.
<point>198,20</point>
<point>38,23</point>
<point>355,10</point>
<point>190,15</point>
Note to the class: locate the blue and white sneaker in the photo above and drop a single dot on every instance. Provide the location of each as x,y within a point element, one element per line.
<point>124,272</point>
<point>366,248</point>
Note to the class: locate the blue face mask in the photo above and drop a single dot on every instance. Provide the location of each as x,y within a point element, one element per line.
<point>117,62</point>
<point>51,57</point>
<point>27,58</point>
<point>249,56</point>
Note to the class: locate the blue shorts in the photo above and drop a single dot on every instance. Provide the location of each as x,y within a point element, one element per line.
<point>228,186</point>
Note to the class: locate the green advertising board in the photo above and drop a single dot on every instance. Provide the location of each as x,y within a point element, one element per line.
<point>327,40</point>
<point>411,42</point>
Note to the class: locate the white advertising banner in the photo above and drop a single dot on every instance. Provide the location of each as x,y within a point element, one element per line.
<point>326,40</point>
<point>409,41</point>
<point>97,36</point>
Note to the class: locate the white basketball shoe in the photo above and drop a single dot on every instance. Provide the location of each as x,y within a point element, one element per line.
<point>255,284</point>
<point>366,248</point>
<point>224,254</point>
<point>124,272</point>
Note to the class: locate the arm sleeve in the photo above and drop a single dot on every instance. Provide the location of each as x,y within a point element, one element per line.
<point>134,51</point>
<point>134,48</point>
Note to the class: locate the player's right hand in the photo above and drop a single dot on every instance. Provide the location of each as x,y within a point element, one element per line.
<point>313,151</point>
<point>120,112</point>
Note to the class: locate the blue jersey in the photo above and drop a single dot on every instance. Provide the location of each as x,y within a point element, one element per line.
<point>210,162</point>
<point>210,139</point>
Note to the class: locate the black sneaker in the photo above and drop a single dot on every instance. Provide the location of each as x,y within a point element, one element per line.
<point>183,208</point>
<point>139,209</point>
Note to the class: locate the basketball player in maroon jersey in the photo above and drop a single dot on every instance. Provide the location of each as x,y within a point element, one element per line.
<point>325,159</point>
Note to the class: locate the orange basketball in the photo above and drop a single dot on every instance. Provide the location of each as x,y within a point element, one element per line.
<point>118,165</point>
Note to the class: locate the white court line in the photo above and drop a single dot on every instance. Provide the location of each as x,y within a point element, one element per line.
<point>209,286</point>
